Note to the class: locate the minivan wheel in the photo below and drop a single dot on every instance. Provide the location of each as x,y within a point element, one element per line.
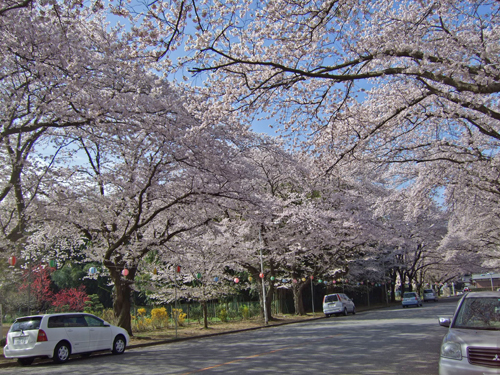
<point>62,352</point>
<point>25,361</point>
<point>345,311</point>
<point>119,345</point>
<point>353,311</point>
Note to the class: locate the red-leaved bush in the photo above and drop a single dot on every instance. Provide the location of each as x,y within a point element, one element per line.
<point>72,299</point>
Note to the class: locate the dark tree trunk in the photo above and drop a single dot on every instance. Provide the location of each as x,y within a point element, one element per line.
<point>122,302</point>
<point>402,277</point>
<point>393,286</point>
<point>269,300</point>
<point>205,314</point>
<point>297,297</point>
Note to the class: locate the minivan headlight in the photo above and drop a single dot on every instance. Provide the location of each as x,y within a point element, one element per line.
<point>451,350</point>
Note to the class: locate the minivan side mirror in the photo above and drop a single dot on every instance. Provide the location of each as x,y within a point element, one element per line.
<point>445,322</point>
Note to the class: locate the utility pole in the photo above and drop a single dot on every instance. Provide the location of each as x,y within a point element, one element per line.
<point>312,294</point>
<point>266,321</point>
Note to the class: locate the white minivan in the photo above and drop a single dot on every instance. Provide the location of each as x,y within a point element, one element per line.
<point>57,336</point>
<point>337,304</point>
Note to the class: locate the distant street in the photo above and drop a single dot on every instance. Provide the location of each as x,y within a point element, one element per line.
<point>387,341</point>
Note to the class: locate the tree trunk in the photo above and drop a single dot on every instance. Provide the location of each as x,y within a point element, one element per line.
<point>122,305</point>
<point>269,300</point>
<point>393,286</point>
<point>402,278</point>
<point>122,295</point>
<point>205,314</point>
<point>297,298</point>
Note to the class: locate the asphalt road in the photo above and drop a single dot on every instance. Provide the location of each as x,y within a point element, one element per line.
<point>385,341</point>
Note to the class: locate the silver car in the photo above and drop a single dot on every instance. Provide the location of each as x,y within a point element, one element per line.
<point>472,344</point>
<point>429,295</point>
<point>411,299</point>
<point>337,304</point>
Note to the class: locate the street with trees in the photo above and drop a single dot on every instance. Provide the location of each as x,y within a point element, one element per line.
<point>118,150</point>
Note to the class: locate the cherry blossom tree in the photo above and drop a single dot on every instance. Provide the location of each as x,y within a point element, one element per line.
<point>359,78</point>
<point>121,165</point>
<point>205,258</point>
<point>390,81</point>
<point>60,69</point>
<point>138,189</point>
<point>472,195</point>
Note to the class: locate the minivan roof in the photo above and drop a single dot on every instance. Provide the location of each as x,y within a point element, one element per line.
<point>482,294</point>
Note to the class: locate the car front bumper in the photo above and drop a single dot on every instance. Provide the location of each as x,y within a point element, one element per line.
<point>463,367</point>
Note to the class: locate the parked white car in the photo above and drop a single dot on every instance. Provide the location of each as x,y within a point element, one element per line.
<point>58,336</point>
<point>338,303</point>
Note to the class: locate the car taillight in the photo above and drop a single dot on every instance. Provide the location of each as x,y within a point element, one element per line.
<point>42,336</point>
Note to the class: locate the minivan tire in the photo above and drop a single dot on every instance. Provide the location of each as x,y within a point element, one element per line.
<point>345,311</point>
<point>62,352</point>
<point>119,345</point>
<point>353,311</point>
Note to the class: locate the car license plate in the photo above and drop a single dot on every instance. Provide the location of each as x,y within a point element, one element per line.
<point>20,340</point>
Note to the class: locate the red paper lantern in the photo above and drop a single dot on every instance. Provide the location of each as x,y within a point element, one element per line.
<point>178,269</point>
<point>333,281</point>
<point>236,280</point>
<point>312,277</point>
<point>125,272</point>
<point>12,260</point>
<point>261,275</point>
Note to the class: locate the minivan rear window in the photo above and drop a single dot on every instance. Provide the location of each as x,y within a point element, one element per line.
<point>26,324</point>
<point>409,295</point>
<point>331,298</point>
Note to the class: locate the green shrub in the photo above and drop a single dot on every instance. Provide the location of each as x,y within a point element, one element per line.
<point>222,315</point>
<point>245,312</point>
<point>232,314</point>
<point>254,309</point>
<point>196,312</point>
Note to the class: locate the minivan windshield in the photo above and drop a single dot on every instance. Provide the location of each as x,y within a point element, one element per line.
<point>25,324</point>
<point>479,313</point>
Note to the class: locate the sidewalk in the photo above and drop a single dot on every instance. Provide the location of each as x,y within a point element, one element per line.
<point>144,341</point>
